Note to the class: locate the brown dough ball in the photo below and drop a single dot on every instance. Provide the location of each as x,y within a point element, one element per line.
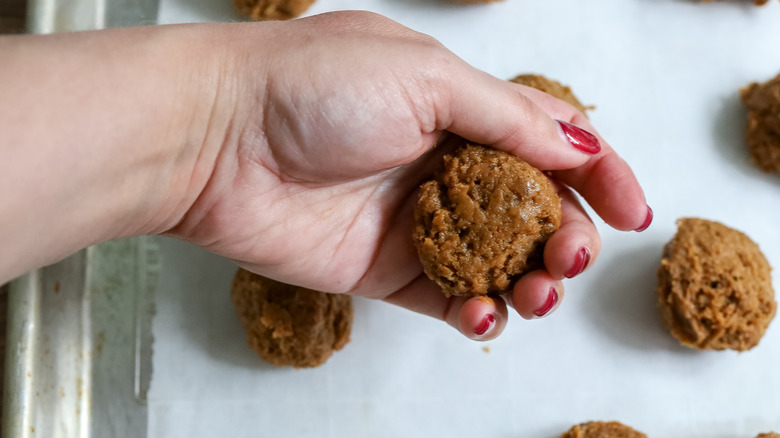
<point>551,87</point>
<point>762,134</point>
<point>756,2</point>
<point>602,429</point>
<point>272,9</point>
<point>290,325</point>
<point>714,287</point>
<point>768,435</point>
<point>483,221</point>
<point>475,2</point>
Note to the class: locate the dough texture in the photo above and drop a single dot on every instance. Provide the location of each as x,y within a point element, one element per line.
<point>762,134</point>
<point>768,435</point>
<point>290,325</point>
<point>714,287</point>
<point>551,87</point>
<point>272,9</point>
<point>756,2</point>
<point>483,221</point>
<point>602,429</point>
<point>475,2</point>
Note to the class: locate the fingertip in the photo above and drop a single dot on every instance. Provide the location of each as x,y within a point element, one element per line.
<point>482,318</point>
<point>648,220</point>
<point>574,247</point>
<point>537,294</point>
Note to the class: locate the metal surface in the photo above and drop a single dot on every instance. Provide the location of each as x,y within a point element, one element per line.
<point>79,344</point>
<point>50,16</point>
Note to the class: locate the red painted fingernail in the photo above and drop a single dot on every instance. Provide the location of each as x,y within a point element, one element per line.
<point>488,322</point>
<point>552,300</point>
<point>580,263</point>
<point>579,138</point>
<point>648,220</point>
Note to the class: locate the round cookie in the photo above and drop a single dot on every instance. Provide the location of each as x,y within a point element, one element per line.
<point>474,2</point>
<point>762,134</point>
<point>272,9</point>
<point>289,325</point>
<point>551,87</point>
<point>714,287</point>
<point>768,435</point>
<point>755,2</point>
<point>483,221</point>
<point>602,429</point>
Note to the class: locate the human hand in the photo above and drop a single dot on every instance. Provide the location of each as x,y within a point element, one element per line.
<point>335,119</point>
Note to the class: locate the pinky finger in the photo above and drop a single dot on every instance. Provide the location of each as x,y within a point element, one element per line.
<point>479,318</point>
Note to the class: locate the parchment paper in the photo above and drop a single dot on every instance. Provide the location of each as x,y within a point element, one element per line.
<point>664,76</point>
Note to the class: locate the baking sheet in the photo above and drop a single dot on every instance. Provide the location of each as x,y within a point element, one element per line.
<point>664,76</point>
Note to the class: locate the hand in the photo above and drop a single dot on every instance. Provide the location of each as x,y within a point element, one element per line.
<point>295,148</point>
<point>333,123</point>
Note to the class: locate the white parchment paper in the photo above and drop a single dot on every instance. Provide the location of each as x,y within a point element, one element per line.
<point>664,76</point>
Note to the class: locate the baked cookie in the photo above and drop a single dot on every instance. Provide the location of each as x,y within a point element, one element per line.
<point>290,325</point>
<point>768,435</point>
<point>272,9</point>
<point>602,429</point>
<point>714,287</point>
<point>762,134</point>
<point>551,87</point>
<point>483,221</point>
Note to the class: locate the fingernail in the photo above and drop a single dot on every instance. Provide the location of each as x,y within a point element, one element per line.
<point>580,263</point>
<point>648,220</point>
<point>579,138</point>
<point>487,324</point>
<point>552,300</point>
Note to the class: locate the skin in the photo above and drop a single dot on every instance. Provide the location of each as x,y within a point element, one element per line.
<point>294,148</point>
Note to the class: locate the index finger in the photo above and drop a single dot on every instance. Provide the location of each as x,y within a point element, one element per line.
<point>605,180</point>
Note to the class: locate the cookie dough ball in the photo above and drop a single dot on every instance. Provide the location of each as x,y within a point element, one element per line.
<point>714,287</point>
<point>756,2</point>
<point>474,2</point>
<point>551,87</point>
<point>483,221</point>
<point>272,9</point>
<point>768,435</point>
<point>762,134</point>
<point>290,325</point>
<point>602,429</point>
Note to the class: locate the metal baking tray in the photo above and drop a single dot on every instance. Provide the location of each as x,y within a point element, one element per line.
<point>79,344</point>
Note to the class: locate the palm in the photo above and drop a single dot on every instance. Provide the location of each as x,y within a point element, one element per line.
<point>316,178</point>
<point>342,186</point>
